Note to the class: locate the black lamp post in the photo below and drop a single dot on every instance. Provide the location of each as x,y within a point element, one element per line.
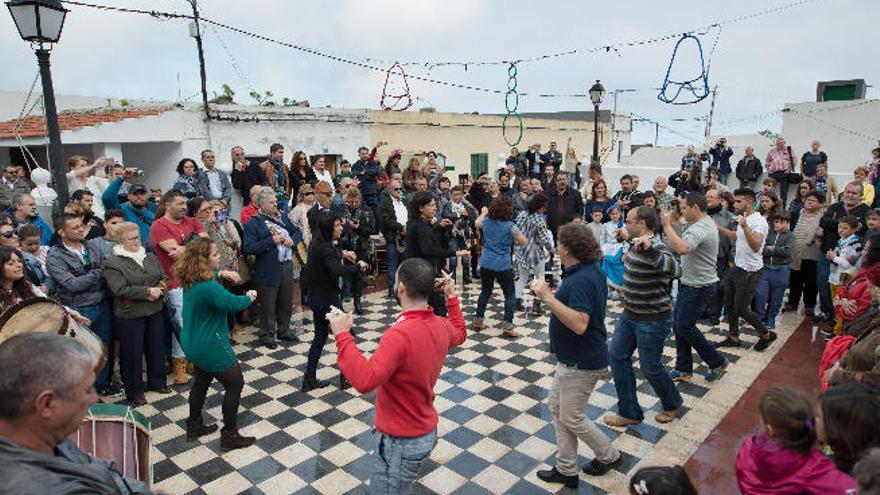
<point>40,22</point>
<point>597,92</point>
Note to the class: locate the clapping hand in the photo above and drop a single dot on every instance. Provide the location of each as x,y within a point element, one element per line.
<point>252,294</point>
<point>340,321</point>
<point>540,289</point>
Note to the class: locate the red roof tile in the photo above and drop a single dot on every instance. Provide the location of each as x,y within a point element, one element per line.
<point>36,126</point>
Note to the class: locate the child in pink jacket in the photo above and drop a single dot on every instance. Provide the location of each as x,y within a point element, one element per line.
<point>784,459</point>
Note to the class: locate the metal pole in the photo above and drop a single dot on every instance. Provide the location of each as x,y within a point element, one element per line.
<point>56,152</point>
<point>711,114</point>
<point>202,74</point>
<point>596,132</point>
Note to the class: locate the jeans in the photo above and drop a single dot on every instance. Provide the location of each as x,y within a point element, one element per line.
<point>648,337</point>
<point>487,283</point>
<point>537,270</point>
<point>392,259</point>
<point>457,244</point>
<point>139,337</point>
<point>100,316</point>
<point>803,281</point>
<point>713,309</point>
<point>232,381</point>
<point>770,292</point>
<point>823,271</point>
<point>174,309</point>
<point>689,306</point>
<point>399,462</point>
<point>738,293</point>
<point>276,306</point>
<point>567,401</point>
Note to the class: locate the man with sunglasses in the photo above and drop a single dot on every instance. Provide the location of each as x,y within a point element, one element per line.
<point>393,215</point>
<point>323,201</point>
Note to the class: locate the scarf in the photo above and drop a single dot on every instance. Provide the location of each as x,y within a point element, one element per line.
<point>138,256</point>
<point>280,179</point>
<point>712,211</point>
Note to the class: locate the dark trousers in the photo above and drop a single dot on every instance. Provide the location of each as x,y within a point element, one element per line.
<point>823,271</point>
<point>139,337</point>
<point>320,307</point>
<point>803,281</point>
<point>487,283</point>
<point>393,257</point>
<point>713,308</point>
<point>689,305</point>
<point>276,306</point>
<point>738,295</point>
<point>232,381</point>
<point>100,316</point>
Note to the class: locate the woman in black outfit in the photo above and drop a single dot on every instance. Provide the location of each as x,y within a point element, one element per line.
<point>322,273</point>
<point>425,238</point>
<point>300,173</point>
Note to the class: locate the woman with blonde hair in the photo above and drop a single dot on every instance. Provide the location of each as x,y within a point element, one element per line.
<point>860,174</point>
<point>411,174</point>
<point>206,304</point>
<point>305,200</point>
<point>138,284</point>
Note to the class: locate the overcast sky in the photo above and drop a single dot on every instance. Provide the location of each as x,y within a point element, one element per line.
<point>758,64</point>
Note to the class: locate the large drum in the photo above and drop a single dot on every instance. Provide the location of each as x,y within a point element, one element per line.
<point>120,434</point>
<point>41,314</point>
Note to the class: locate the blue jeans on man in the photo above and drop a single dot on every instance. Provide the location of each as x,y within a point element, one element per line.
<point>770,292</point>
<point>689,306</point>
<point>399,461</point>
<point>823,271</point>
<point>101,319</point>
<point>649,338</point>
<point>392,259</point>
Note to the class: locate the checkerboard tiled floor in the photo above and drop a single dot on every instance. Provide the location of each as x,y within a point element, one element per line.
<point>495,430</point>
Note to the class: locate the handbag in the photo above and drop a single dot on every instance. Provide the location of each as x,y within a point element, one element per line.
<point>857,326</point>
<point>795,178</point>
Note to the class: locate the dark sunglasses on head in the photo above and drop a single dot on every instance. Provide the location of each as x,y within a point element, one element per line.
<point>395,189</point>
<point>9,234</point>
<point>309,194</point>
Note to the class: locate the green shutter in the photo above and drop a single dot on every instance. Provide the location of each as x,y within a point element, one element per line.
<point>479,164</point>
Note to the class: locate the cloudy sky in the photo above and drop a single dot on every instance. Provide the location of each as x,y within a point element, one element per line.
<point>758,65</point>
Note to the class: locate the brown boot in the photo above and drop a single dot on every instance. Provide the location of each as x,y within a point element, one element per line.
<point>180,376</point>
<point>190,367</point>
<point>231,439</point>
<point>196,428</point>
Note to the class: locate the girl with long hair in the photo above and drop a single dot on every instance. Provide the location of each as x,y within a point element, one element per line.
<point>187,178</point>
<point>206,304</point>
<point>300,173</point>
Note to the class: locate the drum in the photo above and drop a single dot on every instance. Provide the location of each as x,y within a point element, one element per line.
<point>120,434</point>
<point>41,314</point>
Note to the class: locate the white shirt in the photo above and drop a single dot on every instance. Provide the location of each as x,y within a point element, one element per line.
<point>325,176</point>
<point>400,213</point>
<point>94,184</point>
<point>214,183</point>
<point>745,258</point>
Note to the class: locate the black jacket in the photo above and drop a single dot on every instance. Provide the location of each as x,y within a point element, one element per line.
<point>749,169</point>
<point>244,181</point>
<point>573,206</point>
<point>388,219</point>
<point>297,180</point>
<point>832,216</point>
<point>323,270</point>
<point>423,240</point>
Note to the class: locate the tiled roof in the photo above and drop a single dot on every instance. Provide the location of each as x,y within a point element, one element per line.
<point>36,126</point>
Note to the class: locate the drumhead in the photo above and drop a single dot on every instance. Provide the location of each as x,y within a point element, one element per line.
<point>117,412</point>
<point>35,315</point>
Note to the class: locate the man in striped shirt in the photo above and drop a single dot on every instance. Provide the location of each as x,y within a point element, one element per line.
<point>649,269</point>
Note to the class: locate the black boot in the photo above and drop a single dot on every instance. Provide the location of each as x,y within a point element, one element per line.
<point>231,439</point>
<point>196,428</point>
<point>343,382</point>
<point>466,277</point>
<point>358,309</point>
<point>519,305</point>
<point>310,382</point>
<point>536,309</point>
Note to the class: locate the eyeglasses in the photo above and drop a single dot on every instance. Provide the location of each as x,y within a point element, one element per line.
<point>135,238</point>
<point>9,234</point>
<point>309,194</point>
<point>396,189</point>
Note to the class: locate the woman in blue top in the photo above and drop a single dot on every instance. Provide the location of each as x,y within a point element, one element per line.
<point>598,199</point>
<point>499,233</point>
<point>187,176</point>
<point>204,338</point>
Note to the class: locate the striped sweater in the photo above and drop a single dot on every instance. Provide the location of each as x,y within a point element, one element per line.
<point>647,282</point>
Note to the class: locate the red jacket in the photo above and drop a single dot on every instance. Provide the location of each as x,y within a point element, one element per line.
<point>404,368</point>
<point>763,467</point>
<point>855,290</point>
<point>247,212</point>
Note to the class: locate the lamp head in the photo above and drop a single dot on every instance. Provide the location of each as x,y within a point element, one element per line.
<point>597,93</point>
<point>38,21</point>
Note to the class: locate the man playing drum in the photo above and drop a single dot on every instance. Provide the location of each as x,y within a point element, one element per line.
<point>46,381</point>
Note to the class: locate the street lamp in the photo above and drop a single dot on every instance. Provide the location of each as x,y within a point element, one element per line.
<point>597,92</point>
<point>40,22</point>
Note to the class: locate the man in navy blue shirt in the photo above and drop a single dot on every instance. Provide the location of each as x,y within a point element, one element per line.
<point>366,171</point>
<point>578,339</point>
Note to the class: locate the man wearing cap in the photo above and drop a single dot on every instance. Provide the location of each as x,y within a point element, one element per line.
<point>135,209</point>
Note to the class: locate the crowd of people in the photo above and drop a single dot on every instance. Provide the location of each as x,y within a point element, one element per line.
<point>168,279</point>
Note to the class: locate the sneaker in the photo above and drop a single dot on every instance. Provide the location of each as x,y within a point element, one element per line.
<point>667,416</point>
<point>270,344</point>
<point>771,325</point>
<point>111,391</point>
<point>614,296</point>
<point>478,325</point>
<point>765,341</point>
<point>729,342</point>
<point>597,468</point>
<point>715,373</point>
<point>680,376</point>
<point>554,476</point>
<point>818,317</point>
<point>619,421</point>
<point>826,334</point>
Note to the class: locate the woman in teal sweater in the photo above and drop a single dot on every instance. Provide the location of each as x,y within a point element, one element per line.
<point>205,340</point>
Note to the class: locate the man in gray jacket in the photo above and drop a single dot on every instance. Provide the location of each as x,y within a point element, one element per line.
<point>77,269</point>
<point>11,185</point>
<point>214,183</point>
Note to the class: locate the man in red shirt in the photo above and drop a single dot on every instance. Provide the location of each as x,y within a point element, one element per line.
<point>168,234</point>
<point>403,370</point>
<point>251,209</point>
